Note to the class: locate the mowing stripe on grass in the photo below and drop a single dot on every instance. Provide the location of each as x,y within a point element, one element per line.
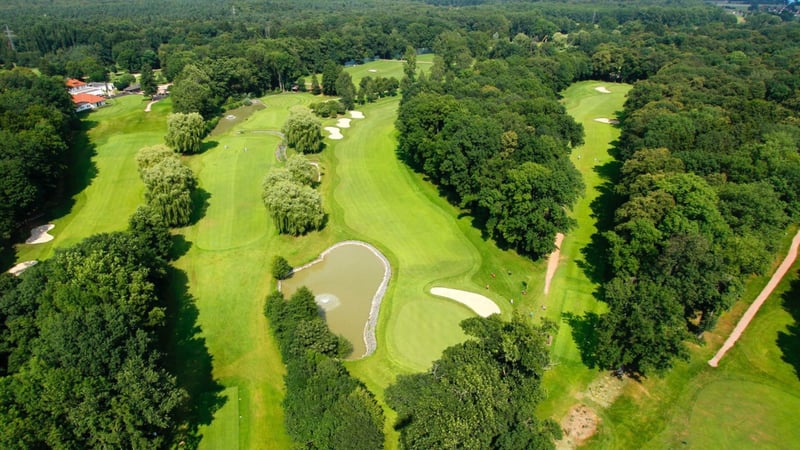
<point>225,432</point>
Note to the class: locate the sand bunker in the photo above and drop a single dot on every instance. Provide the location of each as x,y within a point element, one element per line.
<point>552,263</point>
<point>482,306</point>
<point>372,70</point>
<point>335,133</point>
<point>343,123</point>
<point>22,267</point>
<point>40,234</point>
<point>606,120</point>
<point>356,114</point>
<point>602,90</point>
<point>319,171</point>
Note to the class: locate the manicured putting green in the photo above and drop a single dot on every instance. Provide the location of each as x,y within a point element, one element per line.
<point>424,328</point>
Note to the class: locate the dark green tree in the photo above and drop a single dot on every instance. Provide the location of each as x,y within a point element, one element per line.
<point>148,80</point>
<point>281,269</point>
<point>330,74</point>
<point>346,90</point>
<point>481,393</point>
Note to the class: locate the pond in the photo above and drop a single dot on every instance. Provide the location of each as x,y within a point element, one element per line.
<point>348,281</point>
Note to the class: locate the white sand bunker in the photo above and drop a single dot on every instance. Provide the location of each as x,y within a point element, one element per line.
<point>606,120</point>
<point>356,114</point>
<point>483,306</point>
<point>343,123</point>
<point>22,267</point>
<point>335,132</point>
<point>372,70</point>
<point>40,234</point>
<point>230,117</point>
<point>319,171</point>
<point>602,90</point>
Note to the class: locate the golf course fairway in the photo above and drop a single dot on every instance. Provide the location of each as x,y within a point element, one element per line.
<point>221,346</point>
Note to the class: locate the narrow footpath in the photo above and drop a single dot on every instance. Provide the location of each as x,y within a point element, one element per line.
<point>756,305</point>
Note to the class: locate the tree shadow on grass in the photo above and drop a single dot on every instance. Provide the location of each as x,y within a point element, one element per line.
<point>79,175</point>
<point>584,335</point>
<point>789,341</point>
<point>188,359</point>
<point>200,199</point>
<point>8,255</point>
<point>180,246</point>
<point>206,146</point>
<point>603,206</point>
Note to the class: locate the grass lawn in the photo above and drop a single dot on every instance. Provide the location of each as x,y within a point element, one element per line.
<point>370,195</point>
<point>386,68</point>
<point>226,421</point>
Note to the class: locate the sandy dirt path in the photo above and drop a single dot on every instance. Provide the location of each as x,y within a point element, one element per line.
<point>147,108</point>
<point>552,263</point>
<point>753,309</point>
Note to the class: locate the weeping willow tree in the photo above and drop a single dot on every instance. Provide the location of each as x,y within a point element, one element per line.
<point>303,131</point>
<point>295,207</point>
<point>185,132</point>
<point>169,184</point>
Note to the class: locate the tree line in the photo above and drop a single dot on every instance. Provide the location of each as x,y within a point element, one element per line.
<point>325,406</point>
<point>37,125</point>
<point>710,179</point>
<point>482,393</point>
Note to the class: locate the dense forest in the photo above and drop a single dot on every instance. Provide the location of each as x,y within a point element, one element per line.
<point>706,182</point>
<point>37,121</point>
<point>80,354</point>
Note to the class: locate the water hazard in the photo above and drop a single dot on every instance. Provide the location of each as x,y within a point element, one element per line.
<point>348,283</point>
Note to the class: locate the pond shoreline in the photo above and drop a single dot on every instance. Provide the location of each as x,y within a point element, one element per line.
<point>370,340</point>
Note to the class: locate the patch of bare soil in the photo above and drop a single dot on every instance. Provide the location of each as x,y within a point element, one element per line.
<point>581,421</point>
<point>604,390</point>
<point>578,425</point>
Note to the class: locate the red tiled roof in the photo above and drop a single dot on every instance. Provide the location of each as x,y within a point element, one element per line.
<point>72,83</point>
<point>87,98</point>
